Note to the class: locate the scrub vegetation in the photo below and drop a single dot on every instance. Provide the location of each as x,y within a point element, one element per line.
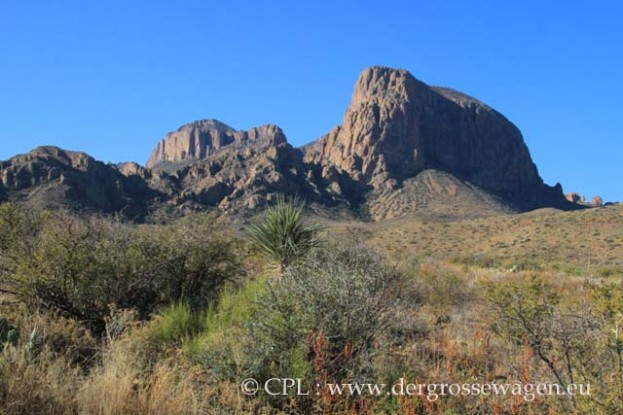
<point>102,317</point>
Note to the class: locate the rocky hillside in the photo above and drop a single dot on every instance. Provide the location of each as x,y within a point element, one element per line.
<point>51,177</point>
<point>404,149</point>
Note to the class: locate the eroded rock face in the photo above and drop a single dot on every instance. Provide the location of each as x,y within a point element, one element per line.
<point>576,198</point>
<point>200,139</point>
<point>397,126</point>
<point>238,178</point>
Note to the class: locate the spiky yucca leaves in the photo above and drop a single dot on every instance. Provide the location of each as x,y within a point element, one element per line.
<point>282,236</point>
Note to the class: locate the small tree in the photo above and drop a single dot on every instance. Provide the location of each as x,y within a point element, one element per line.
<point>282,236</point>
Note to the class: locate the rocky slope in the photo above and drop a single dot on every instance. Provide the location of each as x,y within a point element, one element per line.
<point>435,195</point>
<point>52,177</point>
<point>404,149</point>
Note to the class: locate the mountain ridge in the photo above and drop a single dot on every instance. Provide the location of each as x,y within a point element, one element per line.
<point>395,129</point>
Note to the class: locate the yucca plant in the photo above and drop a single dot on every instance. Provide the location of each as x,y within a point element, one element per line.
<point>282,236</point>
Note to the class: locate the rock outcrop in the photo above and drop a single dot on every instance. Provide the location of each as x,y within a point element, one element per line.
<point>201,139</point>
<point>217,166</point>
<point>578,199</point>
<point>397,127</point>
<point>246,177</point>
<point>575,197</point>
<point>597,201</point>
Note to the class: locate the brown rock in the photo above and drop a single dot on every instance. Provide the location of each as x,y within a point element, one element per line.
<point>573,197</point>
<point>397,126</point>
<point>581,200</point>
<point>200,139</point>
<point>597,201</point>
<point>403,148</point>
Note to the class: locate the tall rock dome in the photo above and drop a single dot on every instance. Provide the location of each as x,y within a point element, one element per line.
<point>397,126</point>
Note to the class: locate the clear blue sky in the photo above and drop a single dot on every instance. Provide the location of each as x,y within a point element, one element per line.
<point>112,77</point>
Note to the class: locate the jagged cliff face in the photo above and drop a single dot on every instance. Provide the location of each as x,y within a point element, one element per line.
<point>200,139</point>
<point>217,166</point>
<point>397,126</point>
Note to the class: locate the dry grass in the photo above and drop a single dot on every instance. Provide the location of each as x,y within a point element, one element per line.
<point>587,242</point>
<point>41,385</point>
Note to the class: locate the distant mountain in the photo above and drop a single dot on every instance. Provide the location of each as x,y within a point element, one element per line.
<point>403,149</point>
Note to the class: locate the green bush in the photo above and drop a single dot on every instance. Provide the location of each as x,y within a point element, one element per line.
<point>174,325</point>
<point>334,305</point>
<point>81,266</point>
<point>579,342</point>
<point>282,236</point>
<point>223,345</point>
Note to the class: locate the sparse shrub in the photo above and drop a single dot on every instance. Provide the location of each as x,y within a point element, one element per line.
<point>568,339</point>
<point>525,308</point>
<point>442,290</point>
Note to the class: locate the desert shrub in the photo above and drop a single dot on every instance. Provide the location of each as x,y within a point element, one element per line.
<point>608,350</point>
<point>282,236</point>
<point>80,267</point>
<point>574,342</point>
<point>525,308</point>
<point>322,320</point>
<point>441,290</point>
<point>193,260</point>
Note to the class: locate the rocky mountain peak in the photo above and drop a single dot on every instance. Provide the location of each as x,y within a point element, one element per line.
<point>199,139</point>
<point>397,126</point>
<point>58,156</point>
<point>379,83</point>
